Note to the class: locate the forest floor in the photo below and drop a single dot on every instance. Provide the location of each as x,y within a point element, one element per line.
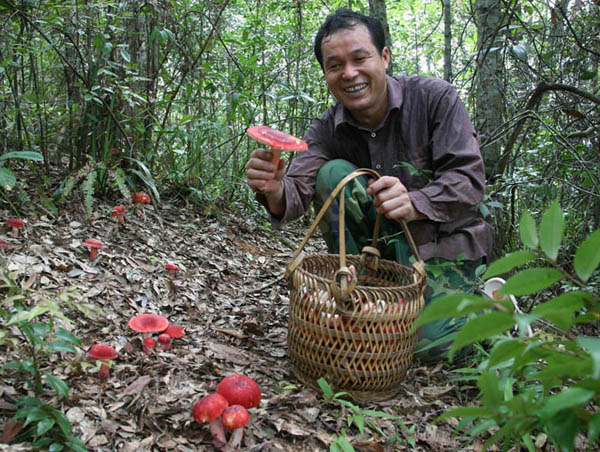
<point>232,301</point>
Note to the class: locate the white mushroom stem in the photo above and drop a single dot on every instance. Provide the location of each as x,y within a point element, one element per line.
<point>236,437</point>
<point>276,157</point>
<point>217,430</point>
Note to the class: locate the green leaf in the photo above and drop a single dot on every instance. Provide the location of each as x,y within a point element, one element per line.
<point>530,281</point>
<point>505,351</point>
<point>528,231</point>
<point>482,327</point>
<point>592,346</point>
<point>469,411</point>
<point>61,347</point>
<point>508,262</point>
<point>65,335</point>
<point>345,445</point>
<point>561,310</point>
<point>594,428</point>
<point>8,180</point>
<point>44,425</point>
<point>551,230</point>
<point>453,305</point>
<point>57,384</point>
<point>23,155</point>
<point>587,257</point>
<point>569,398</point>
<point>327,391</point>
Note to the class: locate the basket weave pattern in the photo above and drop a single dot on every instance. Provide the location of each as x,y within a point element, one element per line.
<point>361,341</point>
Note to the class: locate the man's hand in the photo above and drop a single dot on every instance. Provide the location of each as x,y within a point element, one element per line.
<point>392,200</point>
<point>262,178</point>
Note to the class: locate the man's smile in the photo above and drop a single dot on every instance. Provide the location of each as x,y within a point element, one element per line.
<point>356,88</point>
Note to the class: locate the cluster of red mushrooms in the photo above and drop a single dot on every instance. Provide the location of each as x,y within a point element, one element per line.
<point>227,409</point>
<point>147,324</point>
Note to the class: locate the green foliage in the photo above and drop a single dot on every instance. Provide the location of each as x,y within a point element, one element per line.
<point>547,383</point>
<point>8,179</point>
<point>360,419</point>
<point>34,335</point>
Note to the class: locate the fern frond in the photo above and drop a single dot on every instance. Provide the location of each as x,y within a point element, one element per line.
<point>67,188</point>
<point>118,177</point>
<point>87,187</point>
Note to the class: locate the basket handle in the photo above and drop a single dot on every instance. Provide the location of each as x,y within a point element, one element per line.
<point>370,254</point>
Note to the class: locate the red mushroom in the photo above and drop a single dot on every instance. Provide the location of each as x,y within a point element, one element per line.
<point>148,323</point>
<point>240,390</point>
<point>103,353</point>
<point>235,417</point>
<point>15,224</point>
<point>165,341</point>
<point>172,268</point>
<point>277,141</point>
<point>209,409</point>
<point>148,345</point>
<point>2,244</point>
<point>119,212</point>
<point>175,331</point>
<point>94,245</point>
<point>139,199</point>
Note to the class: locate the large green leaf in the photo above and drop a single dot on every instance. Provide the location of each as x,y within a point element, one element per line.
<point>508,262</point>
<point>552,227</point>
<point>453,305</point>
<point>58,385</point>
<point>561,310</point>
<point>530,281</point>
<point>587,257</point>
<point>505,350</point>
<point>569,398</point>
<point>528,231</point>
<point>8,180</point>
<point>482,327</point>
<point>592,346</point>
<point>24,155</point>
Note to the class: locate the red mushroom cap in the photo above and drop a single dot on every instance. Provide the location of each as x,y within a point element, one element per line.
<point>148,323</point>
<point>164,338</point>
<point>118,210</point>
<point>14,223</point>
<point>149,342</point>
<point>240,390</point>
<point>102,351</point>
<point>277,139</point>
<point>209,408</point>
<point>235,416</point>
<point>140,197</point>
<point>172,267</point>
<point>93,243</point>
<point>2,243</point>
<point>175,331</point>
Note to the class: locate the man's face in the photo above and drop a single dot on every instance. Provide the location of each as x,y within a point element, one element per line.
<point>355,73</point>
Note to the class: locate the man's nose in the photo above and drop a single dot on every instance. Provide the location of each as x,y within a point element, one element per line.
<point>349,72</point>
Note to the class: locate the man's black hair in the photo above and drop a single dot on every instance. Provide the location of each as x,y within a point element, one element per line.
<point>344,18</point>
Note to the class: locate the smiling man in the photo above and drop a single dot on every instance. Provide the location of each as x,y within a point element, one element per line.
<point>417,134</point>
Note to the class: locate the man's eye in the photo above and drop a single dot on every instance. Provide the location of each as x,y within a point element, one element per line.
<point>334,67</point>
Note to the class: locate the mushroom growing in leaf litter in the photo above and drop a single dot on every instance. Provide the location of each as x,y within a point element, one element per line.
<point>119,212</point>
<point>277,141</point>
<point>165,341</point>
<point>148,323</point>
<point>15,224</point>
<point>94,245</point>
<point>235,417</point>
<point>175,331</point>
<point>103,353</point>
<point>148,344</point>
<point>172,268</point>
<point>209,409</point>
<point>139,199</point>
<point>240,390</point>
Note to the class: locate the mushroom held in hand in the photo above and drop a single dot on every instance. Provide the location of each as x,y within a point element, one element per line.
<point>103,353</point>
<point>235,417</point>
<point>94,245</point>
<point>277,141</point>
<point>240,390</point>
<point>209,409</point>
<point>15,224</point>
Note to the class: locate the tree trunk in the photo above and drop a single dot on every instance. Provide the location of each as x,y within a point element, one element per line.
<point>490,101</point>
<point>378,10</point>
<point>447,40</point>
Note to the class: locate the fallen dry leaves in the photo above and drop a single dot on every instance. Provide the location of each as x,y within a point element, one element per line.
<point>232,301</point>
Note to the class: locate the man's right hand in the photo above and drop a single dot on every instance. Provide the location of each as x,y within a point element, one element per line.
<point>262,178</point>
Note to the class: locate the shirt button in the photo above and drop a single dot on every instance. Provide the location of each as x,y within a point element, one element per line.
<point>378,166</point>
<point>373,134</point>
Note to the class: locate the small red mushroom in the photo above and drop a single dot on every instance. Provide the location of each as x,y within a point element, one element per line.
<point>209,409</point>
<point>240,390</point>
<point>139,199</point>
<point>235,417</point>
<point>175,331</point>
<point>165,341</point>
<point>119,212</point>
<point>15,224</point>
<point>148,345</point>
<point>94,245</point>
<point>172,268</point>
<point>277,141</point>
<point>103,353</point>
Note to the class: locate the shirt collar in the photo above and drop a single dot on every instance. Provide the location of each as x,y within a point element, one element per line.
<point>395,98</point>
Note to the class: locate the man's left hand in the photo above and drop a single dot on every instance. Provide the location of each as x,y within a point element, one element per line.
<point>392,200</point>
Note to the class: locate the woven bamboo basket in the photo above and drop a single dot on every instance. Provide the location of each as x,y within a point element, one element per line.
<point>353,326</point>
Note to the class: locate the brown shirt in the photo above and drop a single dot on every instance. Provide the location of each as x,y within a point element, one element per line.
<point>426,140</point>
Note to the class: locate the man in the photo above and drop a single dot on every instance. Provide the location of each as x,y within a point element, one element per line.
<point>416,133</point>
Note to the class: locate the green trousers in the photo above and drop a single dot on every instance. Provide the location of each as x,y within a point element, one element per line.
<point>443,276</point>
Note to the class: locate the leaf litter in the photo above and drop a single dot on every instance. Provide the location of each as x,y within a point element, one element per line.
<point>231,299</point>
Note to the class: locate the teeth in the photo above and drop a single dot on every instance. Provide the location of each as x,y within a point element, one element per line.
<point>356,88</point>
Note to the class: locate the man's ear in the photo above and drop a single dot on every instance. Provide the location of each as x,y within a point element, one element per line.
<point>385,56</point>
